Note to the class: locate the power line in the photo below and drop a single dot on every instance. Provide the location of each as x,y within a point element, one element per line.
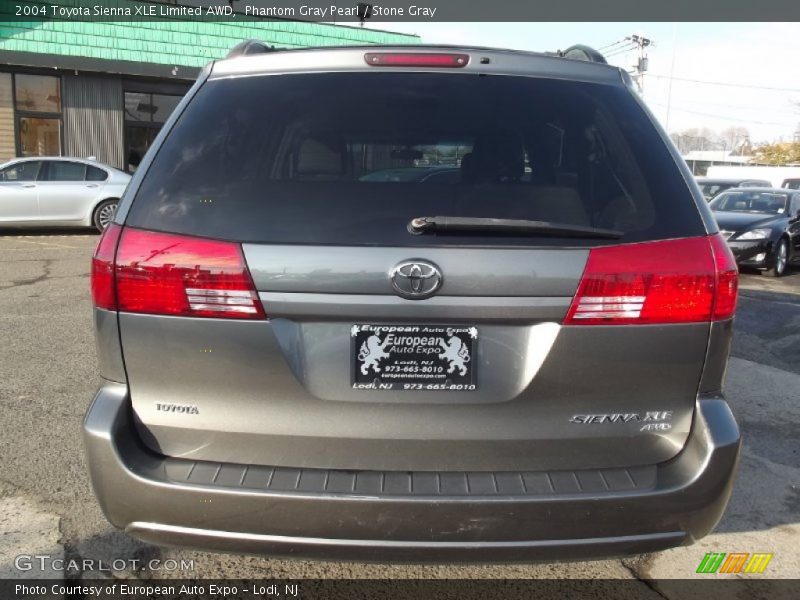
<point>629,45</point>
<point>621,52</point>
<point>731,119</point>
<point>606,47</point>
<point>615,48</point>
<point>784,108</point>
<point>726,83</point>
<point>671,72</point>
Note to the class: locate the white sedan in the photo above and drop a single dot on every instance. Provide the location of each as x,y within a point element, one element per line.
<point>46,191</point>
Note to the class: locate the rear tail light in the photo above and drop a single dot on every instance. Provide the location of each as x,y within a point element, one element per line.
<point>103,293</point>
<point>727,278</point>
<point>167,274</point>
<point>416,59</point>
<point>673,281</point>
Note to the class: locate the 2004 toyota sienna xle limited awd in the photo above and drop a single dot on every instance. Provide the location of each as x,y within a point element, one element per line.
<point>519,359</point>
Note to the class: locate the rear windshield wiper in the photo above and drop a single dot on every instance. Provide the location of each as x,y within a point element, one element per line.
<point>421,225</point>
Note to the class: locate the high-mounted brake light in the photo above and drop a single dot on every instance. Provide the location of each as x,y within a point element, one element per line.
<point>167,274</point>
<point>416,59</point>
<point>673,281</point>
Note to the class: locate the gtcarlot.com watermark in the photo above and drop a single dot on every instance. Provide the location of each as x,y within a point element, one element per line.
<point>48,563</point>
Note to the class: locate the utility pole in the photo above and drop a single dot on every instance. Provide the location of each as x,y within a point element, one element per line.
<point>642,62</point>
<point>629,44</point>
<point>671,73</point>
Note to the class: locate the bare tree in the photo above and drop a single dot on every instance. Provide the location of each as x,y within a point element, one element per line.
<point>736,139</point>
<point>731,139</point>
<point>696,139</point>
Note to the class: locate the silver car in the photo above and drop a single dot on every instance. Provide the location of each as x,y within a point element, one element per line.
<point>54,191</point>
<point>304,357</point>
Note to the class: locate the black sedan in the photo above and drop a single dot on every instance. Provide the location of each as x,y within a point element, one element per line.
<point>762,226</point>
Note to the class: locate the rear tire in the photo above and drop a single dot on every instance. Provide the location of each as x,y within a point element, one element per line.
<point>780,260</point>
<point>104,213</point>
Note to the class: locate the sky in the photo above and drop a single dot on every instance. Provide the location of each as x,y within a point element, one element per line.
<point>759,61</point>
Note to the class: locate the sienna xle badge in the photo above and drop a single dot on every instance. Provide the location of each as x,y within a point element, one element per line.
<point>415,303</point>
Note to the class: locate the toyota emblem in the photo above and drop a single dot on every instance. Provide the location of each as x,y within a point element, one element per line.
<point>416,279</point>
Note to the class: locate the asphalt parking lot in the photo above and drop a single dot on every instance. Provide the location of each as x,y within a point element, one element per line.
<point>48,375</point>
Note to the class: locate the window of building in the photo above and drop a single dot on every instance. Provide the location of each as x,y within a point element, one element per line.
<point>37,93</point>
<point>39,137</point>
<point>37,110</point>
<point>137,107</point>
<point>141,107</point>
<point>145,113</point>
<point>163,105</point>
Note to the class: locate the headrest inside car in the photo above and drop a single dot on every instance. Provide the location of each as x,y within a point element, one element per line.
<point>318,158</point>
<point>496,158</point>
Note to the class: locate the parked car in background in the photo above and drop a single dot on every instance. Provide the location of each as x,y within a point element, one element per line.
<point>792,184</point>
<point>762,226</point>
<point>51,191</point>
<point>774,175</point>
<point>711,187</point>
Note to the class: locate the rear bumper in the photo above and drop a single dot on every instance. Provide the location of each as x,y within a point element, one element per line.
<point>574,514</point>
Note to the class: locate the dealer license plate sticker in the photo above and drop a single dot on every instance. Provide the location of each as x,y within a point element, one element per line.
<point>413,357</point>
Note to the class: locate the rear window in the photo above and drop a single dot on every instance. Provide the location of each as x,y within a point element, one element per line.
<point>712,189</point>
<point>351,158</point>
<point>95,174</point>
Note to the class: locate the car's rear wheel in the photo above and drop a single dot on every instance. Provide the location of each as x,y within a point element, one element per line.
<point>779,260</point>
<point>104,213</point>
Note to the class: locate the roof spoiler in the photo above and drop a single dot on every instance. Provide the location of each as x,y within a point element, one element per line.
<point>581,52</point>
<point>249,47</point>
<point>576,52</point>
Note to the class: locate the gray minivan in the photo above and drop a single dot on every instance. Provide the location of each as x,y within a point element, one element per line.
<point>523,360</point>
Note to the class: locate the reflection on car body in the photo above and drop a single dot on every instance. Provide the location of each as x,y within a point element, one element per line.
<point>424,174</point>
